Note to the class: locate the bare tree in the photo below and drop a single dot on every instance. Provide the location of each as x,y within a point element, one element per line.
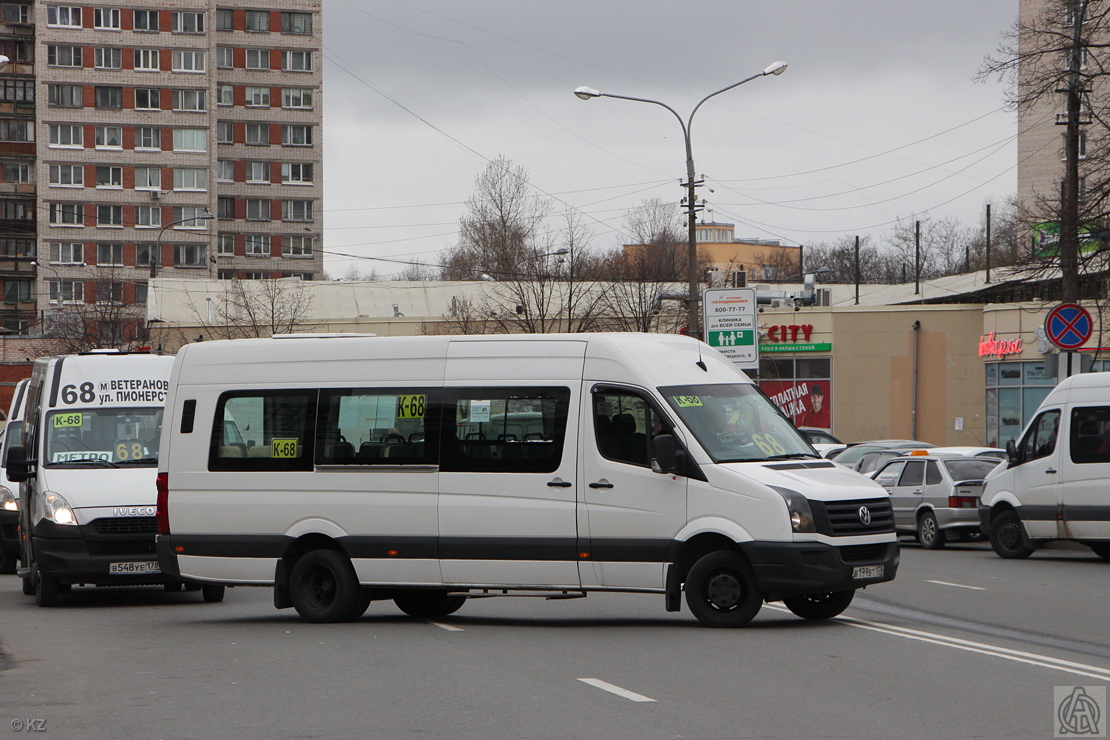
<point>418,272</point>
<point>257,308</point>
<point>99,318</point>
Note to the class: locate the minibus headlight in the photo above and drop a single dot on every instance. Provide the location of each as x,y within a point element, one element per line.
<point>57,509</point>
<point>8,501</point>
<point>801,515</point>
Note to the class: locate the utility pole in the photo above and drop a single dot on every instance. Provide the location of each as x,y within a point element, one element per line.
<point>1068,243</point>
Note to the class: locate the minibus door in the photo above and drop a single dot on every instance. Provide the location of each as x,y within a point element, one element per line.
<point>632,513</point>
<point>1037,477</point>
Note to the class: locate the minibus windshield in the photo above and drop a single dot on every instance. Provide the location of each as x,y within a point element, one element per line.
<point>736,423</point>
<point>103,437</point>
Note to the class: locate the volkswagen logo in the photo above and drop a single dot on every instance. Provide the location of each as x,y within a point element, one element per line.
<point>865,515</point>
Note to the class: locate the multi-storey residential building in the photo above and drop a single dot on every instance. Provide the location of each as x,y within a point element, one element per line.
<point>180,142</point>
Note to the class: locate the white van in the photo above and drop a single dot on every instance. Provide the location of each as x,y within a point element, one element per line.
<point>1056,484</point>
<point>12,433</point>
<point>424,469</point>
<point>86,468</point>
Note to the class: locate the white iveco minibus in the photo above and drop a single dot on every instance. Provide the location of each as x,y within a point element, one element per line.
<point>341,470</point>
<point>86,468</point>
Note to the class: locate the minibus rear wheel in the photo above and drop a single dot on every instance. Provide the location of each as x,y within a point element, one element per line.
<point>824,606</point>
<point>721,590</point>
<point>428,603</point>
<point>324,587</point>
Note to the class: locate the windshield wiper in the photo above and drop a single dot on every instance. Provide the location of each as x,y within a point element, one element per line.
<point>95,461</point>
<point>138,461</point>
<point>794,456</point>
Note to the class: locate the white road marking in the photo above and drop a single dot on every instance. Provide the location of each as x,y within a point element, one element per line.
<point>982,648</point>
<point>956,585</point>
<point>448,627</point>
<point>605,686</point>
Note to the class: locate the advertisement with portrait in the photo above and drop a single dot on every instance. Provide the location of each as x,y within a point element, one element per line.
<point>806,402</point>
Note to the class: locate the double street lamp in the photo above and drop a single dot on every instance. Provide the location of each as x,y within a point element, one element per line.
<point>692,298</point>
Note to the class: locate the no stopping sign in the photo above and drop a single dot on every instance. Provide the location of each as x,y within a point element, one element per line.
<point>1068,326</point>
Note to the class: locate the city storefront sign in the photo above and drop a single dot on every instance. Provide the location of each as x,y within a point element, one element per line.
<point>788,332</point>
<point>814,347</point>
<point>991,347</point>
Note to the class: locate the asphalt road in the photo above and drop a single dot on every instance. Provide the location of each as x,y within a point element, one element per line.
<point>961,645</point>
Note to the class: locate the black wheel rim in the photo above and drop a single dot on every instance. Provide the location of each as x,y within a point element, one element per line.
<point>1010,537</point>
<point>321,587</point>
<point>723,591</point>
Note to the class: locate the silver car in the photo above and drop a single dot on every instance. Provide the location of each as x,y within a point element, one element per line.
<point>935,497</point>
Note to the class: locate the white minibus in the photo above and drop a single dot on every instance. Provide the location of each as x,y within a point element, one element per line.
<point>11,434</point>
<point>86,468</point>
<point>427,469</point>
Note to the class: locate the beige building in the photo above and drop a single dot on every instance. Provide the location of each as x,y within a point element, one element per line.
<point>736,262</point>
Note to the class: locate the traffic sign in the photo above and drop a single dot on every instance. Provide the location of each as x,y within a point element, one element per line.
<point>730,324</point>
<point>1068,326</point>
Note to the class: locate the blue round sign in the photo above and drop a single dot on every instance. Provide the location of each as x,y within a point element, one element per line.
<point>1068,326</point>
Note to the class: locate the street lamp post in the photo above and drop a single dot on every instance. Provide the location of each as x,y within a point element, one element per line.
<point>692,298</point>
<point>570,279</point>
<point>156,255</point>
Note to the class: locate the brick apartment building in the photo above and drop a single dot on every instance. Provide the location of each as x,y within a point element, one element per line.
<point>179,142</point>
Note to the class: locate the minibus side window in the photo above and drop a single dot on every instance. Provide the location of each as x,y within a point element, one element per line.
<point>1090,434</point>
<point>374,426</point>
<point>507,430</point>
<point>263,430</point>
<point>1040,440</point>
<point>624,423</point>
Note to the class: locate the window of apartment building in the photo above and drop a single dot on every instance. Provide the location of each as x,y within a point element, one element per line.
<point>189,100</point>
<point>296,61</point>
<point>148,137</point>
<point>106,19</point>
<point>17,91</point>
<point>141,291</point>
<point>190,215</point>
<point>296,210</point>
<point>225,170</point>
<point>64,135</point>
<point>148,98</point>
<point>258,21</point>
<point>190,140</point>
<point>225,245</point>
<point>65,96</point>
<point>258,97</point>
<point>258,172</point>
<point>258,209</point>
<point>148,217</point>
<point>296,173</point>
<point>142,254</point>
<point>296,97</point>
<point>190,178</point>
<point>109,254</point>
<point>188,61</point>
<point>225,57</point>
<point>67,253</point>
<point>187,22</point>
<point>254,275</point>
<point>296,135</point>
<point>67,214</point>
<point>15,13</point>
<point>16,291</point>
<point>109,98</point>
<point>109,291</point>
<point>109,137</point>
<point>21,50</point>
<point>17,130</point>
<point>225,207</point>
<point>257,245</point>
<point>66,291</point>
<point>298,247</point>
<point>225,94</point>
<point>146,60</point>
<point>67,176</point>
<point>17,210</point>
<point>225,19</point>
<point>109,177</point>
<point>17,247</point>
<point>108,57</point>
<point>225,274</point>
<point>146,20</point>
<point>188,255</point>
<point>63,16</point>
<point>258,134</point>
<point>109,216</point>
<point>296,23</point>
<point>148,178</point>
<point>225,132</point>
<point>17,172</point>
<point>1082,146</point>
<point>257,59</point>
<point>63,55</point>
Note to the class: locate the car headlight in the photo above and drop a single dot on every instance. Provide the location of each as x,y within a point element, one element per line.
<point>57,509</point>
<point>8,500</point>
<point>801,515</point>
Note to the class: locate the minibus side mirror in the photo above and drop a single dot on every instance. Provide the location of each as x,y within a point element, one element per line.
<point>1012,453</point>
<point>18,467</point>
<point>664,453</point>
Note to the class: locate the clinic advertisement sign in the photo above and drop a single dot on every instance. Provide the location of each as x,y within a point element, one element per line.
<point>729,318</point>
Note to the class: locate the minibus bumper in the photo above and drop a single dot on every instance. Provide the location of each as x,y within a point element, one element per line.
<point>74,559</point>
<point>9,531</point>
<point>785,569</point>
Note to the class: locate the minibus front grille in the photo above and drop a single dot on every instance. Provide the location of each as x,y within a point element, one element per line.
<point>863,553</point>
<point>126,525</point>
<point>847,518</point>
<point>123,547</point>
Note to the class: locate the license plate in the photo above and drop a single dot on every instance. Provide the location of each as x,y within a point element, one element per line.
<point>144,566</point>
<point>863,572</point>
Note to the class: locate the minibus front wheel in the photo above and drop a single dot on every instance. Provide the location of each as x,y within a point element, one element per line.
<point>823,606</point>
<point>324,588</point>
<point>721,590</point>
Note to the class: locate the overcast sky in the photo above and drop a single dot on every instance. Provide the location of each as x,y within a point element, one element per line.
<point>878,117</point>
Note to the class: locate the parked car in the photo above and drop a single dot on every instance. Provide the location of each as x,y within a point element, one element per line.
<point>935,495</point>
<point>852,456</point>
<point>823,441</point>
<point>996,453</point>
